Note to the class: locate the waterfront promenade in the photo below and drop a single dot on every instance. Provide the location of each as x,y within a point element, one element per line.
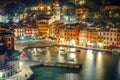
<point>37,44</point>
<point>26,72</point>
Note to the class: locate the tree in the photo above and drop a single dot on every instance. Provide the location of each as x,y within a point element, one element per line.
<point>93,5</point>
<point>13,8</point>
<point>70,9</point>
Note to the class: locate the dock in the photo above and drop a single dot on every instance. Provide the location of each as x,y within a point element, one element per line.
<point>62,65</point>
<point>116,51</point>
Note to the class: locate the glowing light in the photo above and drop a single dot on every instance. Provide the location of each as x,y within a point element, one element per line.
<point>84,16</point>
<point>61,41</point>
<point>61,47</point>
<point>100,44</point>
<point>99,55</point>
<point>72,42</point>
<point>41,7</point>
<point>20,64</point>
<point>66,17</point>
<point>1,73</point>
<point>48,13</point>
<point>89,43</point>
<point>72,55</point>
<point>22,37</point>
<point>72,49</point>
<point>34,51</point>
<point>89,53</point>
<point>48,7</point>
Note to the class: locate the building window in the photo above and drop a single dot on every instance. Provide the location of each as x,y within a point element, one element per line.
<point>104,33</point>
<point>104,38</point>
<point>9,45</point>
<point>110,39</point>
<point>9,39</point>
<point>101,33</point>
<point>111,34</point>
<point>113,43</point>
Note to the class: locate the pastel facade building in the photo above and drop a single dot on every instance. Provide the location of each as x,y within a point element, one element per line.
<point>83,38</point>
<point>43,26</point>
<point>9,61</point>
<point>81,13</point>
<point>56,30</point>
<point>118,39</point>
<point>71,33</point>
<point>103,37</point>
<point>111,9</point>
<point>29,32</point>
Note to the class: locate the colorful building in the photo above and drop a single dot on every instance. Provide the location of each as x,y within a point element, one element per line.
<point>9,57</point>
<point>81,13</point>
<point>71,34</point>
<point>43,27</point>
<point>56,29</point>
<point>24,32</point>
<point>118,39</point>
<point>83,38</point>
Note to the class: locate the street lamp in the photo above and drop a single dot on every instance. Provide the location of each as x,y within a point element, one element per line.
<point>20,64</point>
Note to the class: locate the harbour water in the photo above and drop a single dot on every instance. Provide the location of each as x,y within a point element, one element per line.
<point>95,65</point>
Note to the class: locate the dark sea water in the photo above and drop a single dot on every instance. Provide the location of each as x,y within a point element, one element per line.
<point>95,65</point>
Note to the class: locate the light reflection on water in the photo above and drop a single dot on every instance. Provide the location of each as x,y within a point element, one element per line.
<point>95,65</point>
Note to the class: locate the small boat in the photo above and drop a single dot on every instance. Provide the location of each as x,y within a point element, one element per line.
<point>62,49</point>
<point>70,59</point>
<point>78,50</point>
<point>63,53</point>
<point>116,51</point>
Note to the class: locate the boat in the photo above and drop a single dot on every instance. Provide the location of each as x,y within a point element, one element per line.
<point>116,51</point>
<point>64,53</point>
<point>78,50</point>
<point>70,59</point>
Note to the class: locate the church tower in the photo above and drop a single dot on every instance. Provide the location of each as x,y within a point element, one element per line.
<point>56,9</point>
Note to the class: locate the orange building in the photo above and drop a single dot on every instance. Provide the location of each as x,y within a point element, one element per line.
<point>111,9</point>
<point>6,39</point>
<point>71,33</point>
<point>24,31</point>
<point>43,26</point>
<point>81,12</point>
<point>56,29</point>
<point>118,39</point>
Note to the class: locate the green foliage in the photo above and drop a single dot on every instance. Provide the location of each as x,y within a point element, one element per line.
<point>93,5</point>
<point>13,8</point>
<point>114,20</point>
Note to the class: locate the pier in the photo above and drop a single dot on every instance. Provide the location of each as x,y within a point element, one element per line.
<point>62,65</point>
<point>116,51</point>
